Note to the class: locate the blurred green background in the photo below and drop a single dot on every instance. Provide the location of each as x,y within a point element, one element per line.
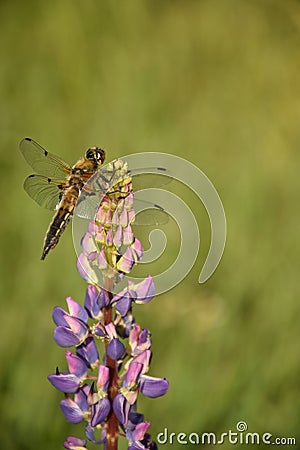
<point>216,82</point>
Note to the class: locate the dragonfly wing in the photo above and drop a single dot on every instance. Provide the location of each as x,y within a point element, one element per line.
<point>43,162</point>
<point>142,178</point>
<point>150,177</point>
<point>148,213</point>
<point>44,191</point>
<point>86,206</point>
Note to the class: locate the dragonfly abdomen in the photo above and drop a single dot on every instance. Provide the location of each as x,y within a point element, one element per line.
<point>60,220</point>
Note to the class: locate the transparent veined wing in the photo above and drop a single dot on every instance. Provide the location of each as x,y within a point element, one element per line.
<point>142,178</point>
<point>44,191</point>
<point>149,177</point>
<point>147,213</point>
<point>43,162</point>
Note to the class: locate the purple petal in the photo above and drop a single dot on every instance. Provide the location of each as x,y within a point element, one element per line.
<point>65,382</point>
<point>64,337</point>
<point>136,446</point>
<point>88,244</point>
<point>143,358</point>
<point>118,237</point>
<point>77,326</point>
<point>126,261</point>
<point>101,214</point>
<point>118,296</point>
<point>100,411</point>
<point>58,316</point>
<point>90,301</point>
<point>103,377</point>
<point>85,270</point>
<point>139,340</point>
<point>109,237</point>
<point>103,299</point>
<point>71,410</point>
<point>73,443</point>
<point>80,397</point>
<point>137,248</point>
<point>99,330</point>
<point>89,432</point>
<point>93,227</point>
<point>108,218</point>
<point>127,235</point>
<point>144,336</point>
<point>128,203</point>
<point>135,417</point>
<point>77,366</point>
<point>115,218</point>
<point>123,218</point>
<point>111,330</point>
<point>95,301</point>
<point>145,290</point>
<point>140,430</point>
<point>76,310</point>
<point>124,304</point>
<point>88,351</point>
<point>134,335</point>
<point>92,256</point>
<point>121,408</point>
<point>133,372</point>
<point>115,349</point>
<point>102,263</point>
<point>131,216</point>
<point>101,236</point>
<point>153,387</point>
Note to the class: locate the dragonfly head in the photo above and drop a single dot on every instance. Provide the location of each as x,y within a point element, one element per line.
<point>96,155</point>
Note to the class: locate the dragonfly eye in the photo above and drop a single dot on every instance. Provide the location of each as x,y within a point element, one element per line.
<point>96,154</point>
<point>100,154</point>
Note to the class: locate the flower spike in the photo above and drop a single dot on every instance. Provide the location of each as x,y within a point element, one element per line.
<point>101,386</point>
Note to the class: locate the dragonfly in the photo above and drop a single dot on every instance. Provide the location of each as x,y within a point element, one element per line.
<point>58,185</point>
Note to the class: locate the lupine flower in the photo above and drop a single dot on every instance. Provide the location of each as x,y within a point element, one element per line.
<point>78,409</point>
<point>88,352</point>
<point>74,333</point>
<point>71,328</point>
<point>137,380</point>
<point>137,435</point>
<point>95,301</point>
<point>139,340</point>
<point>101,390</point>
<point>69,382</point>
<point>99,411</point>
<point>153,387</point>
<point>139,293</point>
<point>115,348</point>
